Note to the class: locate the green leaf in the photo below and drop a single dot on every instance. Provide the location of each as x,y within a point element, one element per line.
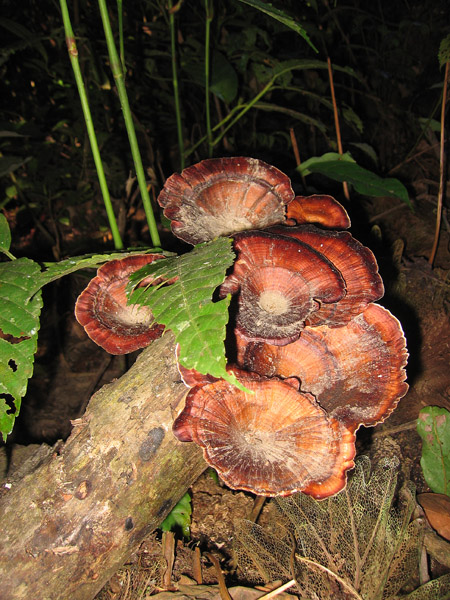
<point>21,281</point>
<point>224,80</point>
<point>280,16</point>
<point>444,51</point>
<point>54,271</point>
<point>9,164</point>
<point>180,516</point>
<point>433,426</point>
<point>19,324</point>
<point>5,234</point>
<point>186,306</point>
<point>341,167</point>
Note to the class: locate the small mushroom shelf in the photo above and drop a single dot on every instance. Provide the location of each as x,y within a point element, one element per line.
<point>316,357</point>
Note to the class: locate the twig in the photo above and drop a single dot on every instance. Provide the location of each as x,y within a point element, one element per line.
<point>224,593</point>
<point>398,429</point>
<point>257,508</point>
<point>441,169</point>
<point>278,590</point>
<point>298,161</point>
<point>197,566</point>
<point>336,122</point>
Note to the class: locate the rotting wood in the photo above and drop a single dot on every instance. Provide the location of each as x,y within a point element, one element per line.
<point>70,524</point>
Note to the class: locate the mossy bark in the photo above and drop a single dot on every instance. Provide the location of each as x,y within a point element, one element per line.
<point>70,524</point>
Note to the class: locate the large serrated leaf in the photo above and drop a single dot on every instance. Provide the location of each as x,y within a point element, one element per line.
<point>54,271</point>
<point>186,306</point>
<point>19,326</point>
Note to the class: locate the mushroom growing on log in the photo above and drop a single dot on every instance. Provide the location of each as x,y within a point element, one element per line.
<point>103,311</point>
<point>220,196</point>
<point>272,440</point>
<point>280,283</point>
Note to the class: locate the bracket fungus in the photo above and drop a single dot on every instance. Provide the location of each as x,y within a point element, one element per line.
<point>356,372</point>
<point>356,264</point>
<point>315,356</point>
<point>273,442</point>
<point>317,209</point>
<point>220,196</point>
<point>102,309</point>
<point>280,283</point>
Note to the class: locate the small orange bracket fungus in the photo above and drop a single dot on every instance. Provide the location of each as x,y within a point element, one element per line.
<point>356,372</point>
<point>272,442</point>
<point>355,262</point>
<point>220,196</point>
<point>317,209</point>
<point>103,311</point>
<point>280,283</point>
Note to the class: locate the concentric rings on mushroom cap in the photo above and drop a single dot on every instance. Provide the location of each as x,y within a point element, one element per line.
<point>103,311</point>
<point>355,262</point>
<point>280,283</point>
<point>356,372</point>
<point>220,196</point>
<point>273,442</point>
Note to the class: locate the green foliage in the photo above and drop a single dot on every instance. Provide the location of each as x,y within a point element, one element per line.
<point>433,426</point>
<point>21,282</point>
<point>19,323</point>
<point>444,51</point>
<point>342,167</point>
<point>281,16</point>
<point>180,516</point>
<point>186,306</point>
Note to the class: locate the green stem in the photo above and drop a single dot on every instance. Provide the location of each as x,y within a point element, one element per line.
<point>241,112</point>
<point>121,42</point>
<point>117,71</point>
<point>209,17</point>
<point>176,94</point>
<point>73,55</point>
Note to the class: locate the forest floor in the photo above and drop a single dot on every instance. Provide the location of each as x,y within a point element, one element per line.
<point>70,367</point>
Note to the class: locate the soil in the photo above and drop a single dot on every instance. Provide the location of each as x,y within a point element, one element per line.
<point>69,368</point>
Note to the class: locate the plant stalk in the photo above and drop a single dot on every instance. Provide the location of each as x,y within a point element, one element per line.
<point>73,55</point>
<point>176,94</point>
<point>441,169</point>
<point>116,68</point>
<point>209,17</point>
<point>336,122</point>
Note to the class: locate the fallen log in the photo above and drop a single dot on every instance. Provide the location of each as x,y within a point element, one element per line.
<point>70,524</point>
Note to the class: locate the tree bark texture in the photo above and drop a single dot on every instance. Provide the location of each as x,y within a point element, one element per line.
<point>68,526</point>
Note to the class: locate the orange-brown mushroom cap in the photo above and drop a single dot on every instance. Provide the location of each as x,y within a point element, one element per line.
<point>281,283</point>
<point>355,262</point>
<point>356,372</point>
<point>103,311</point>
<point>319,210</point>
<point>272,442</point>
<point>220,196</point>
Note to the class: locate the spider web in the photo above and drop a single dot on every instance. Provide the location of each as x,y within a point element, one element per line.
<point>359,544</point>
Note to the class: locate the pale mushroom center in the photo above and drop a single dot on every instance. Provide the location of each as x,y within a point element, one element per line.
<point>274,302</point>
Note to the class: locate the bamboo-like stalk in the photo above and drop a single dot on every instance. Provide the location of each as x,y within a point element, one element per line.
<point>176,93</point>
<point>121,42</point>
<point>441,170</point>
<point>73,55</point>
<point>116,67</point>
<point>209,17</point>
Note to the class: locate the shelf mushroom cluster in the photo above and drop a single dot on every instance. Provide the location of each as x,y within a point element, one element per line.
<point>316,356</point>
